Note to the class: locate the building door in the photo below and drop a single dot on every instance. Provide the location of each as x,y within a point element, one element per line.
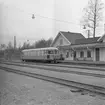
<point>97,54</point>
<point>74,55</point>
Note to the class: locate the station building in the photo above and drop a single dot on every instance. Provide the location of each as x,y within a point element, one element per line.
<point>74,46</point>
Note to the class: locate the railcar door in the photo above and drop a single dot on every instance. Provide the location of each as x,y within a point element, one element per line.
<point>48,55</point>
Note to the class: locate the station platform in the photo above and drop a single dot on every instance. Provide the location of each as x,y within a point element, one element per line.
<point>92,63</point>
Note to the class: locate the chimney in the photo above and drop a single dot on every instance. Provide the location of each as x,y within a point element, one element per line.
<point>104,28</point>
<point>14,42</point>
<point>88,33</point>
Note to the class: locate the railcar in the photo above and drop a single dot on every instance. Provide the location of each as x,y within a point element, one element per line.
<point>49,54</point>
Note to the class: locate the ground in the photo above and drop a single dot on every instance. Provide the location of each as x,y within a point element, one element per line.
<point>22,90</point>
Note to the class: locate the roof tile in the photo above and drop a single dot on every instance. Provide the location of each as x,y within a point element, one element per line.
<point>87,40</point>
<point>72,36</point>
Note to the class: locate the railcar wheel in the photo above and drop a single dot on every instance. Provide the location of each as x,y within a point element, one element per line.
<point>52,61</point>
<point>49,61</point>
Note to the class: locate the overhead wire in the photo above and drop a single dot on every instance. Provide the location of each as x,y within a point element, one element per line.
<point>45,17</point>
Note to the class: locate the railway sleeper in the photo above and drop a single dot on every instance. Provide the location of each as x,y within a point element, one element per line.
<point>81,86</point>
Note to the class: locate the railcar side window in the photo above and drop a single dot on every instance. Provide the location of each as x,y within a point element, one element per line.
<point>41,51</point>
<point>38,52</point>
<point>49,52</point>
<point>45,51</point>
<point>25,53</point>
<point>34,53</point>
<point>28,53</point>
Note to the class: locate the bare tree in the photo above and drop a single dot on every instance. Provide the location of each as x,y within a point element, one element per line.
<point>10,45</point>
<point>93,15</point>
<point>2,46</point>
<point>25,46</point>
<point>43,43</point>
<point>49,41</point>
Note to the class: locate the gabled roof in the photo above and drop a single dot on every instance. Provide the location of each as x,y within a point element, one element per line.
<point>71,36</point>
<point>101,38</point>
<point>87,40</point>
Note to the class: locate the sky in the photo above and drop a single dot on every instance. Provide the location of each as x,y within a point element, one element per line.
<point>16,19</point>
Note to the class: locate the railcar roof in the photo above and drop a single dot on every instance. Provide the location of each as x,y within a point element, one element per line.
<point>47,48</point>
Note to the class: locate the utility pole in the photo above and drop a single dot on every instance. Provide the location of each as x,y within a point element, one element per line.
<point>88,33</point>
<point>104,28</point>
<point>14,42</point>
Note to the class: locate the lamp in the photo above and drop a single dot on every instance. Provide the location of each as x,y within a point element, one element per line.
<point>33,16</point>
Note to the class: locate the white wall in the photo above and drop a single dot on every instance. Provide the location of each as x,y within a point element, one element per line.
<point>65,42</point>
<point>104,39</point>
<point>93,54</point>
<point>85,53</point>
<point>78,52</point>
<point>57,43</point>
<point>70,55</point>
<point>102,54</point>
<point>102,51</point>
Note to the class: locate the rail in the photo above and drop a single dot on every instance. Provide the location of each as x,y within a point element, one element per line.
<point>58,70</point>
<point>81,86</point>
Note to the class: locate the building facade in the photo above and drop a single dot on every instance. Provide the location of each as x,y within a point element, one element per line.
<point>74,46</point>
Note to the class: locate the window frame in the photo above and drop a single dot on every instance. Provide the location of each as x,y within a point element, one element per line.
<point>81,54</point>
<point>88,54</point>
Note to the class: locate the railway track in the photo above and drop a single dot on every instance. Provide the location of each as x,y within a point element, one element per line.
<point>97,90</point>
<point>102,75</point>
<point>89,67</point>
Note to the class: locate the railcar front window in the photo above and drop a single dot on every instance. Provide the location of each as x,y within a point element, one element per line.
<point>56,51</point>
<point>44,52</point>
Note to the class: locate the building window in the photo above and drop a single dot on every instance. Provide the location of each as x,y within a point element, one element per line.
<point>88,54</point>
<point>61,41</point>
<point>81,54</point>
